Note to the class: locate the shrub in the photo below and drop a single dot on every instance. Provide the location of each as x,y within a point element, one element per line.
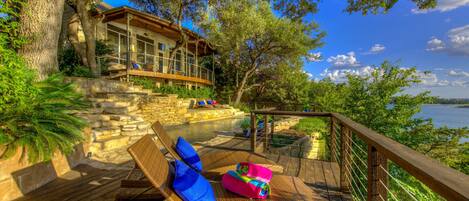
<point>183,92</point>
<point>71,64</point>
<point>310,125</point>
<point>35,117</point>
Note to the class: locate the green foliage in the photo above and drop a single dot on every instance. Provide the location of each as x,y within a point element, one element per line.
<point>35,117</point>
<point>284,84</point>
<point>183,92</point>
<point>310,125</point>
<point>9,24</point>
<point>251,39</point>
<point>379,102</point>
<point>46,125</point>
<point>382,6</point>
<point>246,124</point>
<point>70,63</point>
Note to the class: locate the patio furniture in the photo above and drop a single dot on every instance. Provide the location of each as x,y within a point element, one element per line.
<point>160,175</point>
<point>217,162</point>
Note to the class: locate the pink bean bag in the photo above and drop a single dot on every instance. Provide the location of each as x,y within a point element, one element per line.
<point>245,186</point>
<point>254,171</point>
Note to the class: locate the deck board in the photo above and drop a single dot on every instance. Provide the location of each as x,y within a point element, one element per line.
<point>88,183</point>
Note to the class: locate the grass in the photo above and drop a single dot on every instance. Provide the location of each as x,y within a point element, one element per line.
<point>310,125</point>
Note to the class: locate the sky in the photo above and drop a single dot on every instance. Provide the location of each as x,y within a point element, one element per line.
<point>434,40</point>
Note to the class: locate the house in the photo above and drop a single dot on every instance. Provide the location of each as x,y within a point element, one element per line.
<point>151,39</point>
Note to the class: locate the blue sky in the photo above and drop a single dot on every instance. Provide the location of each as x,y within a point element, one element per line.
<point>435,40</point>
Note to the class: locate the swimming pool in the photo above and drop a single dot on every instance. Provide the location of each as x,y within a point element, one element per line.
<point>203,131</point>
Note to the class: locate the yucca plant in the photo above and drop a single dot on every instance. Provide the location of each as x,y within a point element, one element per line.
<point>45,125</point>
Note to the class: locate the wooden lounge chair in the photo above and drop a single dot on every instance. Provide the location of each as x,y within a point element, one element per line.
<point>159,173</point>
<point>216,163</point>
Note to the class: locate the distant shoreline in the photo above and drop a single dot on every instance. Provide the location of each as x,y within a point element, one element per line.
<point>462,106</point>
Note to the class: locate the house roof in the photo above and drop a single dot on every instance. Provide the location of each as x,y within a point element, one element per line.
<point>158,25</point>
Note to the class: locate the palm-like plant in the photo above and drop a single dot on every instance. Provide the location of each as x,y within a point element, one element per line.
<point>46,124</point>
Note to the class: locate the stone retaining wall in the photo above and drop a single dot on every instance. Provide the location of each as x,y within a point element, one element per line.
<point>20,177</point>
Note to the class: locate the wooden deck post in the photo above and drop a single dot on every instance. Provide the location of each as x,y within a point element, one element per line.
<point>266,128</point>
<point>346,157</point>
<point>253,132</point>
<point>128,63</point>
<point>333,141</point>
<point>377,177</point>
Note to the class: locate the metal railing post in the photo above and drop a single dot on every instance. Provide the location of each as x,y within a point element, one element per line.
<point>266,127</point>
<point>253,132</point>
<point>346,158</point>
<point>377,177</point>
<point>333,140</point>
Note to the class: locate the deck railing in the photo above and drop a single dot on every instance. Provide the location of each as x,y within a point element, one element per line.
<point>365,158</point>
<point>155,63</point>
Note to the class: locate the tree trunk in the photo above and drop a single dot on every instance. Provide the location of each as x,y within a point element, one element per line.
<point>41,21</point>
<point>241,86</point>
<point>88,24</point>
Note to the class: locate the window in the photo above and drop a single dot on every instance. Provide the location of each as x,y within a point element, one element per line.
<point>191,66</point>
<point>145,51</point>
<point>160,61</point>
<point>177,60</point>
<point>117,39</point>
<point>161,47</point>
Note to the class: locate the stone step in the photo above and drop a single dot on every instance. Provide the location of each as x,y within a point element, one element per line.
<point>105,133</point>
<point>114,104</point>
<point>120,110</point>
<point>110,143</point>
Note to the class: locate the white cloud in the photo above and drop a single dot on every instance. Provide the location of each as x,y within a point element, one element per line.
<point>459,38</point>
<point>344,60</point>
<point>435,44</point>
<point>429,79</point>
<point>340,75</point>
<point>377,48</point>
<point>314,57</point>
<point>458,73</point>
<point>457,44</point>
<point>444,6</point>
<point>460,83</point>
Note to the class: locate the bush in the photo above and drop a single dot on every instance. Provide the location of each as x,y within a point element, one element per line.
<point>310,125</point>
<point>183,92</point>
<point>70,63</point>
<point>35,117</point>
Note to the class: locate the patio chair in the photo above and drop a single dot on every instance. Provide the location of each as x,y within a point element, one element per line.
<point>160,175</point>
<point>216,162</point>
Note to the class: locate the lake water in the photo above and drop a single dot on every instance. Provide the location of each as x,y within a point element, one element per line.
<point>449,115</point>
<point>446,115</point>
<point>199,132</point>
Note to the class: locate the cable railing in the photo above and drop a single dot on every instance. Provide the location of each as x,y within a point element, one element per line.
<point>155,63</point>
<point>372,166</point>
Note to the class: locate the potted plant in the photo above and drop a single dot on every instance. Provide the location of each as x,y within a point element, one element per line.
<point>246,125</point>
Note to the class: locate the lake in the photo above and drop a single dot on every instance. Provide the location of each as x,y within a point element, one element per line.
<point>446,115</point>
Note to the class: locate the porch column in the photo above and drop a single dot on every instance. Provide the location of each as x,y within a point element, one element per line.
<point>128,17</point>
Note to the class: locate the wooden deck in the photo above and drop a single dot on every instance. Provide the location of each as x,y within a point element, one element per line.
<point>88,183</point>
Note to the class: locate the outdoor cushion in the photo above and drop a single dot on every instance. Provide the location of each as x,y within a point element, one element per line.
<point>210,102</point>
<point>190,185</point>
<point>188,154</point>
<point>201,103</point>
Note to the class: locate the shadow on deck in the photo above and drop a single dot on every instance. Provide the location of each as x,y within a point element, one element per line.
<point>89,183</point>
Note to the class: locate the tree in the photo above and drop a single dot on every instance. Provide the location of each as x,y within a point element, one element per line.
<point>378,101</point>
<point>382,6</point>
<point>285,84</point>
<point>250,38</point>
<point>85,11</point>
<point>40,23</point>
<point>176,12</point>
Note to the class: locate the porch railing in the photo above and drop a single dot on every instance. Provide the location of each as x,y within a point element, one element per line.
<point>365,158</point>
<point>155,63</point>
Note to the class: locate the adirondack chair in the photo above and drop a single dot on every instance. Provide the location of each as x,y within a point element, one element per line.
<point>159,172</point>
<point>216,163</point>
